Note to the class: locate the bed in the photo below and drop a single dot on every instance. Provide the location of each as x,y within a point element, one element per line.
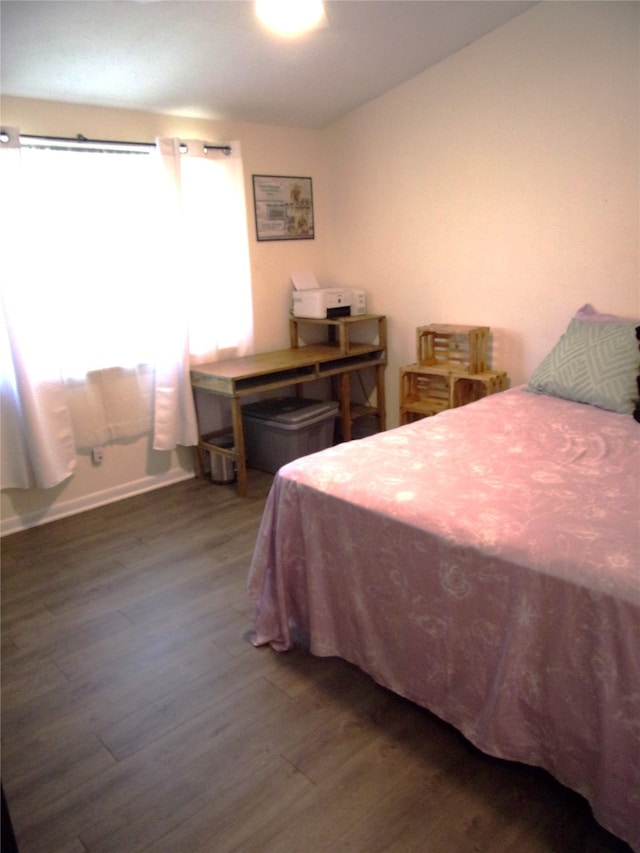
<point>483,563</point>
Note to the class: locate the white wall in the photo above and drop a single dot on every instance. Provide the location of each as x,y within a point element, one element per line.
<point>500,187</point>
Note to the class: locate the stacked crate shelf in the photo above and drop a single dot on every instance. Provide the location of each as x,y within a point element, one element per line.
<point>453,369</point>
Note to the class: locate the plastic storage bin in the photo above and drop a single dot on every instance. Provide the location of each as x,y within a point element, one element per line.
<point>281,429</point>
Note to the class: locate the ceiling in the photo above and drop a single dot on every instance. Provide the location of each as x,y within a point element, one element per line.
<point>212,59</point>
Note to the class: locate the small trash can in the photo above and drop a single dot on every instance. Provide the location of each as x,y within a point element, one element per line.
<point>280,429</point>
<point>223,468</point>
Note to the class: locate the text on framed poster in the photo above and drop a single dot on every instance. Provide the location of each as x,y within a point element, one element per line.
<point>283,207</point>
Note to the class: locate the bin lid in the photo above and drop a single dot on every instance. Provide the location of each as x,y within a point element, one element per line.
<point>290,410</point>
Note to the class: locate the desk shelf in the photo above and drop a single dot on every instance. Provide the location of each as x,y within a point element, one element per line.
<point>361,341</point>
<point>340,331</point>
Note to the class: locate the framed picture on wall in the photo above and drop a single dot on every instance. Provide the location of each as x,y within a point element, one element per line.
<point>283,207</point>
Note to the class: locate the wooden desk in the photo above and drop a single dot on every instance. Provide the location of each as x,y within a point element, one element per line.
<point>240,377</point>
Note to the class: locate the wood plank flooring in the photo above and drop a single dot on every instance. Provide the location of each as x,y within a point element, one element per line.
<point>136,715</point>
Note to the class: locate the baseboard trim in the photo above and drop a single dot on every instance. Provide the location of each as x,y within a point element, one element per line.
<point>16,523</point>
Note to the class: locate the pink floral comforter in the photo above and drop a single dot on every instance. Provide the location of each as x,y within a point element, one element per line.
<point>484,563</point>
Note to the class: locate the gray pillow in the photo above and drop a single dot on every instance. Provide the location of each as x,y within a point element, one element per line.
<point>596,361</point>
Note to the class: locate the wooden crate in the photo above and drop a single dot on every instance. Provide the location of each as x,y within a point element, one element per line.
<point>425,391</point>
<point>430,391</point>
<point>467,389</point>
<point>461,348</point>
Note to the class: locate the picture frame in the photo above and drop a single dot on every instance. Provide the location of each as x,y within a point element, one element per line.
<point>283,207</point>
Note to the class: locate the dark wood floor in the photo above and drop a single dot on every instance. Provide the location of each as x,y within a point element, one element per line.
<point>136,715</point>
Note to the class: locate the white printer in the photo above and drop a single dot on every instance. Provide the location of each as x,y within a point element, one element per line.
<point>318,303</point>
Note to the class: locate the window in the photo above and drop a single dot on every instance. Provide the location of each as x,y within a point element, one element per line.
<point>92,265</point>
<point>118,260</point>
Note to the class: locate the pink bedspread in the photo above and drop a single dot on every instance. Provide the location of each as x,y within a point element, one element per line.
<point>483,563</point>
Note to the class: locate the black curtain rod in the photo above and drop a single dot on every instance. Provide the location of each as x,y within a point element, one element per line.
<point>106,142</point>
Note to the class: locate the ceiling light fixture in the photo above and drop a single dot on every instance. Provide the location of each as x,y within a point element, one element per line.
<point>291,17</point>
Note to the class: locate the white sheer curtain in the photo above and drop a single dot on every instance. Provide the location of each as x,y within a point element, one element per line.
<point>106,294</point>
<point>36,439</point>
<point>206,258</point>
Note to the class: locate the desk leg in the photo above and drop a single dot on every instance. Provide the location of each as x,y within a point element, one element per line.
<point>197,463</point>
<point>380,397</point>
<point>198,467</point>
<point>345,405</point>
<point>344,338</point>
<point>238,441</point>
